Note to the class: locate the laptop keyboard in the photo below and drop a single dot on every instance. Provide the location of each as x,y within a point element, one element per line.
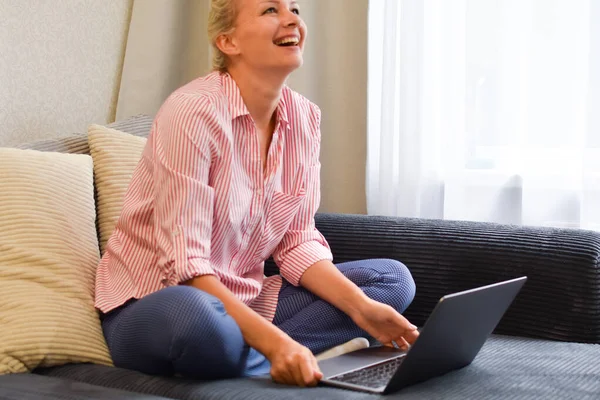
<point>374,376</point>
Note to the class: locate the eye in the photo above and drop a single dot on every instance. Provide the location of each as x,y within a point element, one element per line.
<point>296,10</point>
<point>270,10</point>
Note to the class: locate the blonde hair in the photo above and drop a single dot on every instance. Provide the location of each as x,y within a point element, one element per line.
<point>221,20</point>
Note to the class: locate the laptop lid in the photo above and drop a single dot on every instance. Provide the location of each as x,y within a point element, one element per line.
<point>455,332</point>
<point>450,339</point>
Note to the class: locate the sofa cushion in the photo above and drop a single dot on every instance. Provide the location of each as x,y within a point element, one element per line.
<point>116,155</point>
<point>48,257</point>
<point>506,368</point>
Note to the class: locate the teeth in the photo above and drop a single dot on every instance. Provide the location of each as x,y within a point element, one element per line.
<point>287,40</point>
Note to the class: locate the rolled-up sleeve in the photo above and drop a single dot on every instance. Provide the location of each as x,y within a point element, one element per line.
<point>184,201</point>
<point>303,245</point>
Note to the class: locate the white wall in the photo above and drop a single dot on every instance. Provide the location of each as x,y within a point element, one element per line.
<point>60,65</point>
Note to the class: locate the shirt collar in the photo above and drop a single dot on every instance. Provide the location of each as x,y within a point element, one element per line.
<point>238,108</point>
<point>236,103</point>
<point>282,114</point>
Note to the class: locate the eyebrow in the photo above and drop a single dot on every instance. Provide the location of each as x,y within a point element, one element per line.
<point>294,2</point>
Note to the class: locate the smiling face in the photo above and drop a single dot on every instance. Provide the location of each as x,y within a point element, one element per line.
<point>268,35</point>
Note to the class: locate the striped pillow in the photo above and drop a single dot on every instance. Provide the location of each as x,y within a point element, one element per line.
<point>115,155</point>
<point>48,258</point>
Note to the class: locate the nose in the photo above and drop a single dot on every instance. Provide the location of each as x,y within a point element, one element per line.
<point>290,19</point>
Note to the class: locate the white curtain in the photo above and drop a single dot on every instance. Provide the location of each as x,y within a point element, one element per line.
<point>485,110</point>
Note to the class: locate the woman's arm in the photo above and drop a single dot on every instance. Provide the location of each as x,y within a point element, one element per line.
<point>291,363</point>
<point>257,331</point>
<point>379,320</point>
<point>304,258</point>
<point>327,282</point>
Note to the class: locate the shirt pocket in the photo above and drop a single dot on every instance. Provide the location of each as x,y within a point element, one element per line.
<point>282,209</point>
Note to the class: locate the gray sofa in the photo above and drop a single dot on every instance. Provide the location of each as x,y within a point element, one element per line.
<point>545,347</point>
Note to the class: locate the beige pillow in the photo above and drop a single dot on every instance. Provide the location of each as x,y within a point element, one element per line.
<point>48,257</point>
<point>115,155</point>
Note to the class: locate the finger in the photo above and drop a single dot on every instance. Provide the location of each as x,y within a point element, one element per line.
<point>411,332</point>
<point>308,374</point>
<point>295,369</point>
<point>399,326</point>
<point>405,323</point>
<point>282,376</point>
<point>297,377</point>
<point>402,343</point>
<point>411,336</point>
<point>393,344</point>
<point>317,370</point>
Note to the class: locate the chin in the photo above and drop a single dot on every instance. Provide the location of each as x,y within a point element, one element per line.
<point>284,69</point>
<point>293,65</point>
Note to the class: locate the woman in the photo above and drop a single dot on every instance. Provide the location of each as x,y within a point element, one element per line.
<point>230,176</point>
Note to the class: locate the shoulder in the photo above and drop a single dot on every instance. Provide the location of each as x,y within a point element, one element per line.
<point>301,110</point>
<point>203,97</point>
<point>197,107</point>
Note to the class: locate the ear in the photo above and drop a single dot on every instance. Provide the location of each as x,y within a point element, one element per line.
<point>227,44</point>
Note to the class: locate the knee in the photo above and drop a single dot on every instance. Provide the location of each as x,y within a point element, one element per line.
<point>202,329</point>
<point>191,313</point>
<point>399,286</point>
<point>181,303</point>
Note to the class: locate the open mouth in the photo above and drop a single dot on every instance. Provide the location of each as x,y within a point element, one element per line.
<point>287,42</point>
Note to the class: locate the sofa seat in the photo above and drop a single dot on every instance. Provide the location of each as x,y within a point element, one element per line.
<point>506,368</point>
<point>36,387</point>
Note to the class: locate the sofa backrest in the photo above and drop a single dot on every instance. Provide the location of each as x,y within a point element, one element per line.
<point>138,125</point>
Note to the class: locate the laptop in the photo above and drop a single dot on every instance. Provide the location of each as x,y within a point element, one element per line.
<point>450,339</point>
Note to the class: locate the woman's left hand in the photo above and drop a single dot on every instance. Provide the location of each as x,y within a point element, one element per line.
<point>386,325</point>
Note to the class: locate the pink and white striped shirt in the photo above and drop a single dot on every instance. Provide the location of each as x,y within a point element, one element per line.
<point>200,203</point>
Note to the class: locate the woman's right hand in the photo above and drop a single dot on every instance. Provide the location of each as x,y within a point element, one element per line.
<point>293,364</point>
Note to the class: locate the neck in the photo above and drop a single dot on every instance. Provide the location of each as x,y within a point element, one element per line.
<point>261,93</point>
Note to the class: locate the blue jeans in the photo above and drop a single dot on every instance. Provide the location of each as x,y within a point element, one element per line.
<point>185,331</point>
